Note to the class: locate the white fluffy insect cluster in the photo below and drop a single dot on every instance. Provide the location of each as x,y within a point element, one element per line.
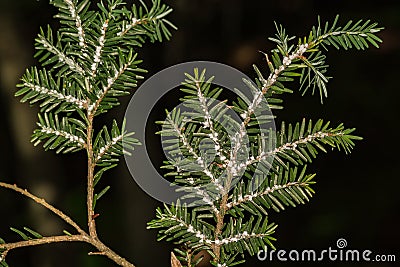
<point>224,241</point>
<point>56,94</point>
<point>287,146</point>
<point>110,82</point>
<point>78,22</point>
<point>250,197</point>
<point>73,138</point>
<point>258,96</point>
<point>129,26</point>
<point>99,48</point>
<point>208,123</point>
<point>61,56</point>
<point>286,62</point>
<point>105,148</point>
<point>293,145</point>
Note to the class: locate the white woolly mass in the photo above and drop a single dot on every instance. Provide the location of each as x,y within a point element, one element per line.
<point>249,197</point>
<point>129,26</point>
<point>99,48</point>
<point>53,93</point>
<point>78,22</point>
<point>105,148</point>
<point>61,56</point>
<point>272,79</point>
<point>73,138</point>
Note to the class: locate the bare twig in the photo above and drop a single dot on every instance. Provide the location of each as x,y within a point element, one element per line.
<point>90,177</point>
<point>43,202</point>
<point>174,261</point>
<point>81,237</point>
<point>45,240</point>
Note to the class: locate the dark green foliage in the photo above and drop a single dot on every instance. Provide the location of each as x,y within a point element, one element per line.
<point>237,191</point>
<point>313,67</point>
<point>85,66</point>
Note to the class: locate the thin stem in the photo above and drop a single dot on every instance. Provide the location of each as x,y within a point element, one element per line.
<point>189,255</point>
<point>43,202</point>
<point>247,118</point>
<point>106,251</point>
<point>219,226</point>
<point>42,241</point>
<point>81,237</point>
<point>90,178</point>
<point>103,249</point>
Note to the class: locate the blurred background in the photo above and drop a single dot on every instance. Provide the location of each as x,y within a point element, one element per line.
<point>357,196</point>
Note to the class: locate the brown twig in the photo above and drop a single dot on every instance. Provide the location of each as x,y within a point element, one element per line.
<point>90,177</point>
<point>81,237</point>
<point>45,240</point>
<point>43,202</point>
<point>220,224</point>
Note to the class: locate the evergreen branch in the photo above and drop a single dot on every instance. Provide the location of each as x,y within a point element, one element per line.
<point>99,48</point>
<point>299,144</point>
<point>61,56</point>
<point>60,135</point>
<point>111,80</point>
<point>63,136</point>
<point>111,143</point>
<point>169,121</point>
<point>268,191</point>
<point>40,86</point>
<point>257,100</point>
<point>272,184</point>
<point>74,15</point>
<point>284,187</point>
<point>313,67</point>
<point>204,98</point>
<point>93,67</point>
<point>72,138</point>
<point>302,139</point>
<point>293,147</point>
<point>127,27</point>
<point>192,230</point>
<point>58,96</point>
<point>103,150</point>
<point>204,194</point>
<point>352,34</point>
<point>272,79</point>
<point>151,23</point>
<point>208,121</point>
<point>239,237</point>
<point>176,222</point>
<point>207,241</point>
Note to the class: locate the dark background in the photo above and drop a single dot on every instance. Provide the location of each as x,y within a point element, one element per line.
<point>357,195</point>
